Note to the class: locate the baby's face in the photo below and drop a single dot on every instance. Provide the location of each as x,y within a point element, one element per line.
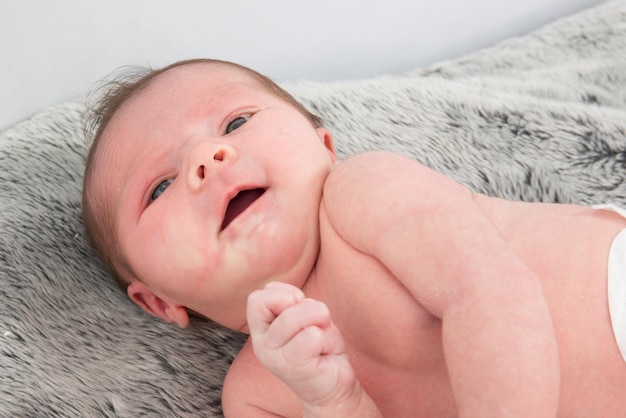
<point>216,185</point>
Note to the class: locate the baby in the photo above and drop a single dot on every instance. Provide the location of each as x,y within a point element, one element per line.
<point>371,287</point>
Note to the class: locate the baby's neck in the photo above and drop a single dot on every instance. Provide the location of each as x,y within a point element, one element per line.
<point>310,286</point>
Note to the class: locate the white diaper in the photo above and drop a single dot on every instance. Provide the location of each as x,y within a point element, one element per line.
<point>617,282</point>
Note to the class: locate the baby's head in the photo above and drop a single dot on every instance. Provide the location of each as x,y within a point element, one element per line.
<point>151,132</point>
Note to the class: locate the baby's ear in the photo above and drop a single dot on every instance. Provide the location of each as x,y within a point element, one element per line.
<point>143,296</point>
<point>327,139</point>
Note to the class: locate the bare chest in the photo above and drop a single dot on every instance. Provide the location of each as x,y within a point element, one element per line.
<point>394,344</point>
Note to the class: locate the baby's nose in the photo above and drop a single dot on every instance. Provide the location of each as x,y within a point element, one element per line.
<point>205,158</point>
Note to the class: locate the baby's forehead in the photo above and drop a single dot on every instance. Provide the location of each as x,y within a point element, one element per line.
<point>217,75</point>
<point>180,87</point>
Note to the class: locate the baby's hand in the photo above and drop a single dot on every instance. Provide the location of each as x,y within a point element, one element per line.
<point>295,339</point>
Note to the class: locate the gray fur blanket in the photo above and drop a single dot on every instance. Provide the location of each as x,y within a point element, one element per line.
<point>541,117</point>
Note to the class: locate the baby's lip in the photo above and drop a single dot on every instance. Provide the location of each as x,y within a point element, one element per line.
<point>239,203</point>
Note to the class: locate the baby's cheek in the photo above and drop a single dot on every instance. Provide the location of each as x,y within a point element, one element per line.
<point>183,248</point>
<point>189,258</point>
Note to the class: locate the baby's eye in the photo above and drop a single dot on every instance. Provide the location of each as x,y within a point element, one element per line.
<point>236,123</point>
<point>158,191</point>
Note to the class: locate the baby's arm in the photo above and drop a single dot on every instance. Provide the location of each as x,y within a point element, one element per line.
<point>497,332</point>
<point>295,339</point>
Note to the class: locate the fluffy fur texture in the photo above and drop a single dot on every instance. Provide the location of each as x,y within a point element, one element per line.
<point>540,117</point>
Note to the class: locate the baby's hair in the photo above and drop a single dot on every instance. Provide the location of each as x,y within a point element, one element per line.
<point>102,105</point>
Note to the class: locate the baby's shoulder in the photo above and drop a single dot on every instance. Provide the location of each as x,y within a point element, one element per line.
<point>361,179</point>
<point>370,173</point>
<point>353,167</point>
<point>364,193</point>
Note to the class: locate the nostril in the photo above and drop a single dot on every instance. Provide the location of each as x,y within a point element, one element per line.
<point>219,155</point>
<point>200,172</point>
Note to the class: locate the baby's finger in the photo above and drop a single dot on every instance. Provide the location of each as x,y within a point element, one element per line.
<point>286,287</point>
<point>294,319</point>
<point>266,304</point>
<point>339,344</point>
<point>307,346</point>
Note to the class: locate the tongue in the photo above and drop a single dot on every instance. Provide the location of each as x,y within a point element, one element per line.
<point>240,203</point>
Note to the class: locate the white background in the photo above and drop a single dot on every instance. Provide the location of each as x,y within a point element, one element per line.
<point>53,50</point>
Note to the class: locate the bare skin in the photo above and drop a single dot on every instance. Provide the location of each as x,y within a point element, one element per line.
<point>372,287</point>
<point>395,343</point>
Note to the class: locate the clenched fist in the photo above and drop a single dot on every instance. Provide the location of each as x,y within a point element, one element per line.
<point>295,338</point>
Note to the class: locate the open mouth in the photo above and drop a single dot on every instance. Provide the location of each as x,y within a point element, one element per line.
<point>240,203</point>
